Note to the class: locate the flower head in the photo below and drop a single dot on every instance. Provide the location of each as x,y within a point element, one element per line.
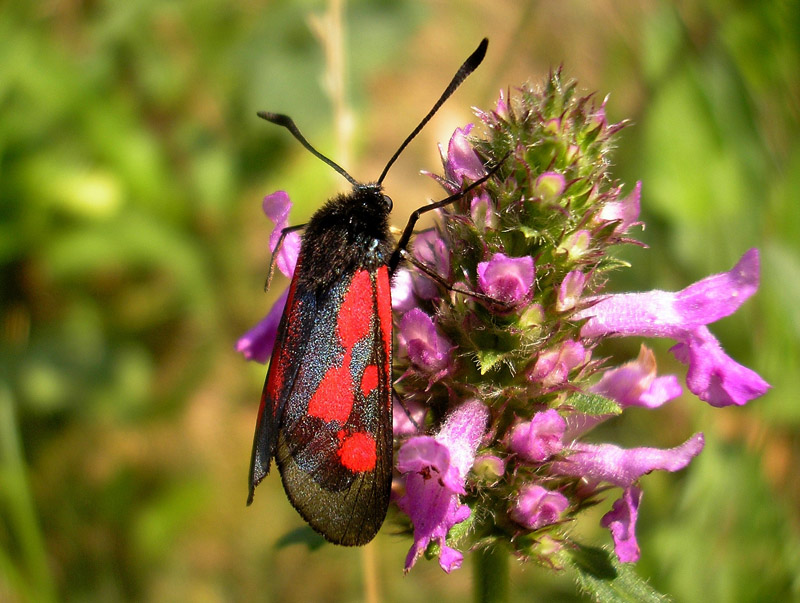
<point>498,398</point>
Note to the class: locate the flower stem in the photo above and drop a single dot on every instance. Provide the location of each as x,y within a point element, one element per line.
<point>490,575</point>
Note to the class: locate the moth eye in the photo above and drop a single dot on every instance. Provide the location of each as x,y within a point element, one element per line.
<point>388,201</point>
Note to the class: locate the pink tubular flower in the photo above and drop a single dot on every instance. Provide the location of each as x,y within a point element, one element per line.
<point>537,507</point>
<point>461,161</point>
<point>277,207</point>
<point>540,438</point>
<point>554,366</point>
<point>713,376</point>
<point>427,350</point>
<point>258,342</point>
<point>625,210</point>
<point>623,467</point>
<point>621,520</point>
<point>434,470</point>
<point>431,250</point>
<point>506,279</point>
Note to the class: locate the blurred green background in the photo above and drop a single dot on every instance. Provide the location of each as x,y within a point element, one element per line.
<point>134,251</point>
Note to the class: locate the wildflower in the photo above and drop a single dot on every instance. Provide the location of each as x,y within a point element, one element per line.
<point>713,376</point>
<point>258,342</point>
<point>434,470</point>
<point>506,279</point>
<point>536,507</point>
<point>427,350</point>
<point>540,438</point>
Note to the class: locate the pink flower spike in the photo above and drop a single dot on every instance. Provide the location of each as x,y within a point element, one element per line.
<point>277,207</point>
<point>258,342</point>
<point>434,470</point>
<point>621,520</point>
<point>540,438</point>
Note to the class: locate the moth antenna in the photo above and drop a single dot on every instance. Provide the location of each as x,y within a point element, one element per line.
<point>287,122</point>
<point>472,62</point>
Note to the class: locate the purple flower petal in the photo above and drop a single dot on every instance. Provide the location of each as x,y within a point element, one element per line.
<point>277,207</point>
<point>540,438</point>
<point>408,420</point>
<point>622,467</point>
<point>462,162</point>
<point>536,507</point>
<point>431,250</point>
<point>506,279</point>
<point>570,291</point>
<point>434,469</point>
<point>621,520</point>
<point>258,342</point>
<point>713,376</point>
<point>426,348</point>
<point>636,384</point>
<point>667,314</point>
<point>625,210</point>
<point>553,366</point>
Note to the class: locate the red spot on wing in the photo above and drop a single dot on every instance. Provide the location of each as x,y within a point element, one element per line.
<point>355,314</point>
<point>357,451</point>
<point>369,380</point>
<point>333,398</point>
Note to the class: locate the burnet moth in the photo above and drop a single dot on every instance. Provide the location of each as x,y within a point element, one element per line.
<point>325,414</point>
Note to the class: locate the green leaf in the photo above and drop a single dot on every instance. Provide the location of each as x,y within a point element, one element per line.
<point>488,359</point>
<point>599,574</point>
<point>594,404</point>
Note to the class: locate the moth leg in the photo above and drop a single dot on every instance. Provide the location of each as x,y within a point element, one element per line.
<point>408,231</point>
